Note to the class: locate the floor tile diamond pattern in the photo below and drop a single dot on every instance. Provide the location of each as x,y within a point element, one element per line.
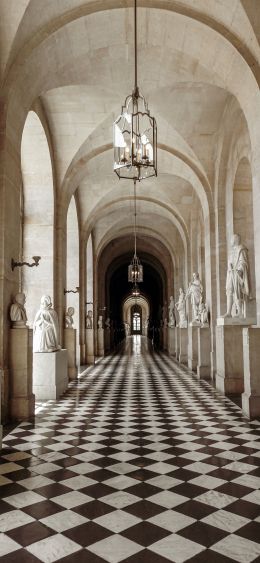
<point>138,462</point>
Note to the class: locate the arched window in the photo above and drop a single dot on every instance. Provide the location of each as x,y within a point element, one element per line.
<point>136,320</point>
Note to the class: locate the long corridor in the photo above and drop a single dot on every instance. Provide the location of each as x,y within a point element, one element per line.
<point>139,462</point>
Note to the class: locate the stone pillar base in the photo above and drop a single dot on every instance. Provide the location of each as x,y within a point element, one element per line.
<point>90,356</point>
<point>229,358</point>
<point>171,341</point>
<point>100,342</point>
<point>165,337</point>
<point>22,400</point>
<point>107,339</point>
<point>193,347</point>
<point>50,374</point>
<point>204,349</point>
<point>183,354</point>
<point>251,355</point>
<point>70,337</point>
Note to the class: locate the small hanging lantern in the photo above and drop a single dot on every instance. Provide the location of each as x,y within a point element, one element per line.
<point>135,290</point>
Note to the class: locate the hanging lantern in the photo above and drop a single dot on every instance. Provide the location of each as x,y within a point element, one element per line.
<point>135,133</point>
<point>135,271</point>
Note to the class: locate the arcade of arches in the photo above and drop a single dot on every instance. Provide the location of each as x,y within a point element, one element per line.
<point>66,67</point>
<point>65,70</point>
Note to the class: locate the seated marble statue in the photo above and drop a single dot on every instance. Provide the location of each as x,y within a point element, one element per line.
<point>203,314</point>
<point>89,319</point>
<point>69,321</point>
<point>46,328</point>
<point>17,312</point>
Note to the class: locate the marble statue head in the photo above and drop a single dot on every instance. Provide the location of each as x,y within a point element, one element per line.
<point>235,240</point>
<point>46,302</point>
<point>20,298</point>
<point>71,311</point>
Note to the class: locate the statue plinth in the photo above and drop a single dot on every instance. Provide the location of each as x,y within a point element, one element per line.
<point>19,324</point>
<point>100,341</point>
<point>171,340</point>
<point>50,374</point>
<point>107,339</point>
<point>90,354</point>
<point>193,347</point>
<point>183,345</point>
<point>236,321</point>
<point>229,359</point>
<point>204,349</point>
<point>251,357</point>
<point>70,336</point>
<point>22,401</point>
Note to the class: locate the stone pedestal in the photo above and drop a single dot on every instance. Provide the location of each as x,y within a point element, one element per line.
<point>107,339</point>
<point>100,341</point>
<point>229,359</point>
<point>193,347</point>
<point>204,349</point>
<point>183,342</point>
<point>165,337</point>
<point>172,341</point>
<point>50,374</point>
<point>22,400</point>
<point>90,355</point>
<point>177,342</point>
<point>251,354</point>
<point>70,335</point>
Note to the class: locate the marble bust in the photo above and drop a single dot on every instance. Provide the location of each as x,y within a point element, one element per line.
<point>237,282</point>
<point>195,292</point>
<point>69,321</point>
<point>172,319</point>
<point>100,321</point>
<point>46,328</point>
<point>107,323</point>
<point>17,312</point>
<point>89,319</point>
<point>181,308</point>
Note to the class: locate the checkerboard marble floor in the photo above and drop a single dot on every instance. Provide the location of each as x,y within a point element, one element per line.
<point>137,463</point>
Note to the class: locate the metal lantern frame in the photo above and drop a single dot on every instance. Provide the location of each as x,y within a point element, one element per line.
<point>135,133</point>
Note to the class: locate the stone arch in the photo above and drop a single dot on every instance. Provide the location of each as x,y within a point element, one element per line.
<point>38,213</point>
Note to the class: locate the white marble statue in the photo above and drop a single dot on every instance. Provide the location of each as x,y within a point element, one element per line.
<point>195,293</point>
<point>203,314</point>
<point>69,321</point>
<point>107,323</point>
<point>17,312</point>
<point>237,283</point>
<point>181,308</point>
<point>172,319</point>
<point>46,328</point>
<point>100,321</point>
<point>89,319</point>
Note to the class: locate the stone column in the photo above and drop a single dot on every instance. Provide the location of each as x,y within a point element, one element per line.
<point>22,402</point>
<point>204,356</point>
<point>90,355</point>
<point>70,335</point>
<point>193,347</point>
<point>229,356</point>
<point>251,353</point>
<point>171,341</point>
<point>100,336</point>
<point>183,354</point>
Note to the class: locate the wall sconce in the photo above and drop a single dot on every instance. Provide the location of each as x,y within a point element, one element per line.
<point>15,264</point>
<point>71,290</point>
